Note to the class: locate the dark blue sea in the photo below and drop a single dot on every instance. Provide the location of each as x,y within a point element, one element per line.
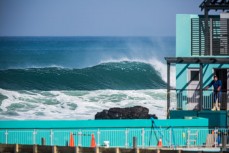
<point>75,77</point>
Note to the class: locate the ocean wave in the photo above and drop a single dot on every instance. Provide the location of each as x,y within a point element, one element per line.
<point>123,75</point>
<point>77,104</point>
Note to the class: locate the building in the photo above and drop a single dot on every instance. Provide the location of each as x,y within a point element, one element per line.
<point>202,51</point>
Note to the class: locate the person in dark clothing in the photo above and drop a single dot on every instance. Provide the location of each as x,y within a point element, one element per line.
<point>217,93</point>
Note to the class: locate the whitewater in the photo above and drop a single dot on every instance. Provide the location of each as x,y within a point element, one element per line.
<point>73,78</point>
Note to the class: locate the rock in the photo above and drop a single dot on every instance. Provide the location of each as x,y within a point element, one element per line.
<point>136,112</point>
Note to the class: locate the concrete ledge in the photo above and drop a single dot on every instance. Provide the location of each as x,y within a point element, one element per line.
<point>4,148</point>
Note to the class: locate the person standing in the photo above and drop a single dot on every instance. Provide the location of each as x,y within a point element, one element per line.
<point>217,93</point>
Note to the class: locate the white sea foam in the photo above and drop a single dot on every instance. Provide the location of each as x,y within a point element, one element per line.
<point>77,104</point>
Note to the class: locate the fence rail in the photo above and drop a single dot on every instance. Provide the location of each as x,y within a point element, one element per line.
<point>171,138</point>
<point>189,99</point>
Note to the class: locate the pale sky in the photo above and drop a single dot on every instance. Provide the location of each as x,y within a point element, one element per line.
<point>93,17</point>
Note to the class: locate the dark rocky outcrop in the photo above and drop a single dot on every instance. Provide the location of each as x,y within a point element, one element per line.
<point>136,112</point>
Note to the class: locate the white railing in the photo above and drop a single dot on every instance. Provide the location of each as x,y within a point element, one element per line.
<point>146,137</point>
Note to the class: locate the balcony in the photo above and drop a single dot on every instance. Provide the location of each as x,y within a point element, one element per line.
<point>190,99</point>
<point>210,40</point>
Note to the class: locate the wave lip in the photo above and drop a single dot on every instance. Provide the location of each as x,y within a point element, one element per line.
<point>123,75</point>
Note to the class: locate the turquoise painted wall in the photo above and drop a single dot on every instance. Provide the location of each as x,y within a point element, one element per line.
<point>119,132</point>
<point>87,124</point>
<point>183,49</point>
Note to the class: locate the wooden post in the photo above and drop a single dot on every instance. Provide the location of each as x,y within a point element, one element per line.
<point>35,149</point>
<point>76,150</point>
<point>136,150</point>
<point>54,149</point>
<point>16,149</point>
<point>168,89</point>
<point>96,149</point>
<point>117,150</point>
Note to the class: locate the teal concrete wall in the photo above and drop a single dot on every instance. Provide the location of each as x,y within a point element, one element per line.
<point>183,49</point>
<point>119,132</point>
<point>215,118</point>
<point>92,124</point>
<point>183,34</point>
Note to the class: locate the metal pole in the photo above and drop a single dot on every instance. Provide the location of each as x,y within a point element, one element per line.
<point>34,136</point>
<point>170,141</point>
<point>168,89</point>
<point>79,138</point>
<point>188,141</point>
<point>98,137</point>
<point>201,87</point>
<point>51,136</point>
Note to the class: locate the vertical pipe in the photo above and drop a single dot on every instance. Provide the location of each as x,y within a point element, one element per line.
<point>201,87</point>
<point>168,89</point>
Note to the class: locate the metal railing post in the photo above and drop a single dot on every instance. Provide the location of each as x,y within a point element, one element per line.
<point>215,137</point>
<point>79,138</point>
<point>143,137</point>
<point>98,137</point>
<point>51,137</point>
<point>34,136</point>
<point>126,140</point>
<point>170,137</point>
<point>6,133</point>
<point>188,141</point>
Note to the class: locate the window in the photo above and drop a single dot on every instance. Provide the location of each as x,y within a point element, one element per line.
<point>195,75</point>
